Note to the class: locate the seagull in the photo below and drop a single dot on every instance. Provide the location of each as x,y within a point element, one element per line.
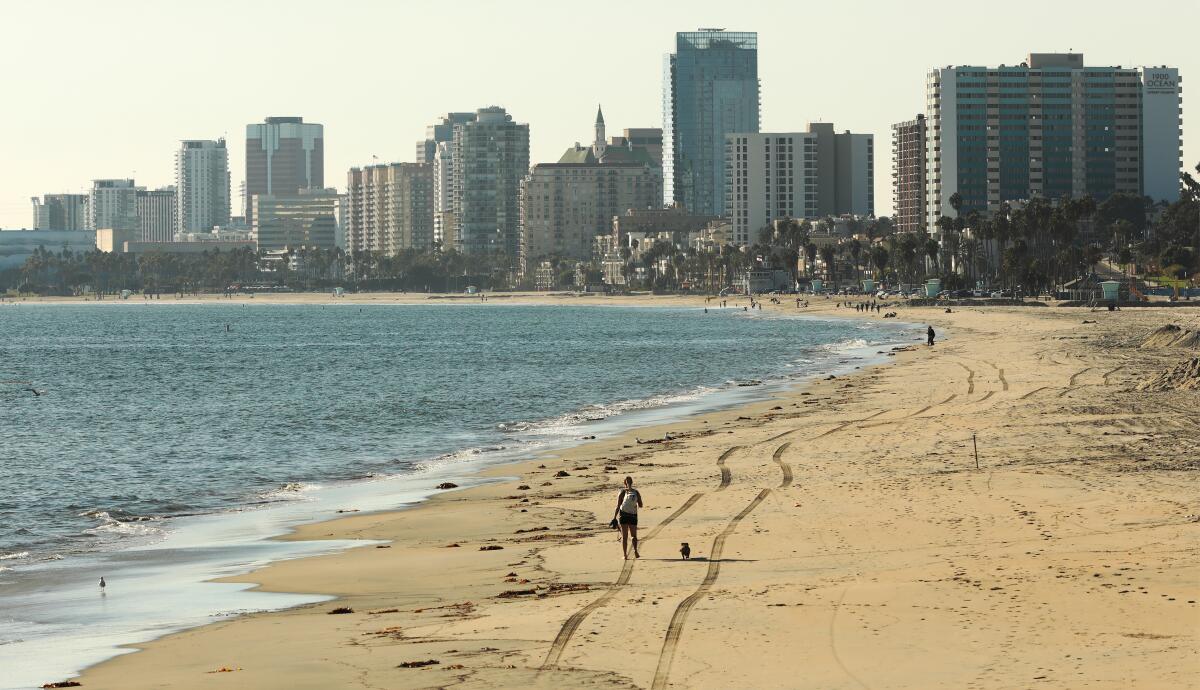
<point>102,583</point>
<point>34,391</point>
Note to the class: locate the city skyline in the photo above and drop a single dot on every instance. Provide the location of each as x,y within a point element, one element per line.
<point>816,76</point>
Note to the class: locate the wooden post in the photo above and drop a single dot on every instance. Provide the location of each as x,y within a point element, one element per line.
<point>976,444</point>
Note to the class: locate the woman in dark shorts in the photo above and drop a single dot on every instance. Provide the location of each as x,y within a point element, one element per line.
<point>628,502</point>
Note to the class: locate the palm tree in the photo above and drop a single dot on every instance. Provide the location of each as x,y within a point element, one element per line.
<point>933,250</point>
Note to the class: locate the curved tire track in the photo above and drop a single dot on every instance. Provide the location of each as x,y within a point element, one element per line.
<point>777,456</point>
<point>675,629</point>
<point>1033,392</point>
<point>1110,373</point>
<point>559,645</point>
<point>970,377</point>
<point>1076,375</point>
<point>726,475</point>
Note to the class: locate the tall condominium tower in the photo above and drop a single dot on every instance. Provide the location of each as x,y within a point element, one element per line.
<point>710,90</point>
<point>60,212</point>
<point>283,156</point>
<point>157,210</point>
<point>809,174</point>
<point>443,195</point>
<point>565,205</point>
<point>1050,127</point>
<point>389,208</point>
<point>113,204</point>
<point>202,183</point>
<point>491,157</point>
<point>440,132</point>
<point>908,174</point>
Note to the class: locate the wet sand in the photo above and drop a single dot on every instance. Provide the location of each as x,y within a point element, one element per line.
<point>842,537</point>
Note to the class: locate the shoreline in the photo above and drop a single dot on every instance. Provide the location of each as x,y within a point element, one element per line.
<point>635,421</point>
<point>559,562</point>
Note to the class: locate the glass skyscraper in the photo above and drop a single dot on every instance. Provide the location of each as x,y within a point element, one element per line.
<point>1050,127</point>
<point>710,90</point>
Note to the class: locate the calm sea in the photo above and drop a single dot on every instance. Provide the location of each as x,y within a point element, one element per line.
<point>167,442</point>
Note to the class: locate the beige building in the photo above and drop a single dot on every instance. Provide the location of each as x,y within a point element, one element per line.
<point>308,219</point>
<point>565,205</point>
<point>114,239</point>
<point>390,208</point>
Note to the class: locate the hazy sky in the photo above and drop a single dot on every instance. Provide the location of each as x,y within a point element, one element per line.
<point>107,89</point>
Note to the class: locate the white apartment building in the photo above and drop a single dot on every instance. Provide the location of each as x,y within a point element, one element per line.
<point>113,204</point>
<point>811,174</point>
<point>202,184</point>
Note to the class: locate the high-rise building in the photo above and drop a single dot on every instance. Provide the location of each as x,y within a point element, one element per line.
<point>710,90</point>
<point>565,205</point>
<point>157,210</point>
<point>908,175</point>
<point>810,174</point>
<point>440,132</point>
<point>283,156</point>
<point>60,212</point>
<point>1050,127</point>
<point>202,183</point>
<point>113,204</point>
<point>389,208</point>
<point>443,195</point>
<point>491,158</point>
<point>306,219</point>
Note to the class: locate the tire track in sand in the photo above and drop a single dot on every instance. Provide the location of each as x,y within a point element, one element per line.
<point>833,646</point>
<point>675,628</point>
<point>1076,375</point>
<point>777,456</point>
<point>559,645</point>
<point>970,377</point>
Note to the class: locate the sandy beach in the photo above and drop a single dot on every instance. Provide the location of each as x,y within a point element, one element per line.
<point>842,536</point>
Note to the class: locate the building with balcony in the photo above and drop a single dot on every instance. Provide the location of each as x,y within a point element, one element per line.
<point>1051,127</point>
<point>390,208</point>
<point>908,175</point>
<point>202,185</point>
<point>810,174</point>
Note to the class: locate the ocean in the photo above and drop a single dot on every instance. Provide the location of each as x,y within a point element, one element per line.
<point>167,443</point>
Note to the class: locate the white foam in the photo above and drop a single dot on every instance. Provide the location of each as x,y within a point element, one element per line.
<point>13,556</point>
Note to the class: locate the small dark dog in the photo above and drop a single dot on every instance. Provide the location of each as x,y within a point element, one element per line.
<point>685,551</point>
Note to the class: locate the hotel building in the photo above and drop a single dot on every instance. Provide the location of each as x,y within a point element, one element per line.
<point>1050,127</point>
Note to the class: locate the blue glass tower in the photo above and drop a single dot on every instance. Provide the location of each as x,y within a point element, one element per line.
<point>710,89</point>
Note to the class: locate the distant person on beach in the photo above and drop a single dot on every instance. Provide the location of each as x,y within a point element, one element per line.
<point>929,334</point>
<point>628,502</point>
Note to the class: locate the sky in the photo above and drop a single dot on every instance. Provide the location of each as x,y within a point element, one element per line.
<point>108,89</point>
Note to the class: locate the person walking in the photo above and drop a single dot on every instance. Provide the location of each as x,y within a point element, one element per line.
<point>628,502</point>
<point>929,334</point>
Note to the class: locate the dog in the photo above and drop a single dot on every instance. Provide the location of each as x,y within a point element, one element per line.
<point>685,551</point>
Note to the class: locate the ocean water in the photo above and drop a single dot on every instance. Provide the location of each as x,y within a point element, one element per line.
<point>170,442</point>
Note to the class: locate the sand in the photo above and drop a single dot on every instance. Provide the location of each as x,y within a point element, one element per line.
<point>842,537</point>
